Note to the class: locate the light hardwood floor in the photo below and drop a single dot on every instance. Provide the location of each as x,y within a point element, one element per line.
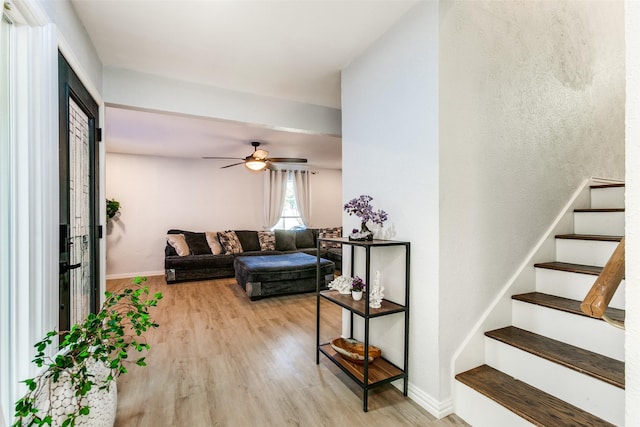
<point>219,359</point>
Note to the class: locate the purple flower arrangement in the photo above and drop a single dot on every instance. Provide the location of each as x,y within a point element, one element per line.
<point>357,285</point>
<point>361,208</point>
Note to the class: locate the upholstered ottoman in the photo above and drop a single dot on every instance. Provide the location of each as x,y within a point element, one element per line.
<point>267,275</point>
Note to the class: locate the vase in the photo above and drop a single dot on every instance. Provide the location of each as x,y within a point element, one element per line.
<point>356,295</point>
<point>60,398</point>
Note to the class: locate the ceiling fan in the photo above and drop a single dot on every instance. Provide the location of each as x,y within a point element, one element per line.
<point>259,159</point>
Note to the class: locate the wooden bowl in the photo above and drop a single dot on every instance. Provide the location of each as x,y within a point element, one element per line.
<point>353,350</point>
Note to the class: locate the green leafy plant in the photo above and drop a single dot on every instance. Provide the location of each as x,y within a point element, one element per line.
<point>105,337</point>
<point>113,206</point>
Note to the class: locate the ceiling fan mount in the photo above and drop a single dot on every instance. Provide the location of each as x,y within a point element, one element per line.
<point>259,160</point>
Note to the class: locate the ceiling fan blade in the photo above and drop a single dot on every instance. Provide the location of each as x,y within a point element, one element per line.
<point>270,166</point>
<point>235,164</point>
<point>286,160</point>
<point>221,158</point>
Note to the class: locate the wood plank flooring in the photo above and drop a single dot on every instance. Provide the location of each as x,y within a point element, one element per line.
<point>219,359</point>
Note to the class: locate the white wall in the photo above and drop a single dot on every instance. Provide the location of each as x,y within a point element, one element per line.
<point>390,151</point>
<point>326,199</point>
<point>632,232</point>
<point>134,89</point>
<point>77,45</point>
<point>531,104</point>
<point>159,193</point>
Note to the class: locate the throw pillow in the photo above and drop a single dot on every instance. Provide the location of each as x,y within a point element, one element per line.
<point>330,233</point>
<point>197,243</point>
<point>230,242</point>
<point>285,240</point>
<point>267,240</point>
<point>248,240</point>
<point>304,239</point>
<point>179,243</point>
<point>214,243</point>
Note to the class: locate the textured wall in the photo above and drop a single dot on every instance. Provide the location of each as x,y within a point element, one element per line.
<point>531,103</point>
<point>390,151</point>
<point>632,232</point>
<point>159,193</point>
<point>74,36</point>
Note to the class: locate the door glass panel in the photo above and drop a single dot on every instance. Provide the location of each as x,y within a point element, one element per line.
<point>79,207</point>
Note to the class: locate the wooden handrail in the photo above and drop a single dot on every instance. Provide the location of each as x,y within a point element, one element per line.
<point>597,300</point>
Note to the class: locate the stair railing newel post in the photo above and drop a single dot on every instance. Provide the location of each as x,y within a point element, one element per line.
<point>597,300</point>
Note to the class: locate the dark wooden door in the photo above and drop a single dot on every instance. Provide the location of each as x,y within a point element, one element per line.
<point>79,219</point>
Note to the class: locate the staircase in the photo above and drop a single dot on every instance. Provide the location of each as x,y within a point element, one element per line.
<point>554,366</point>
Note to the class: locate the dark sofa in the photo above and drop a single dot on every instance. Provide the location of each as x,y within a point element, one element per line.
<point>202,264</point>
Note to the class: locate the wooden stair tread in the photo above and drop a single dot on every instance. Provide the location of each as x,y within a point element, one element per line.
<point>596,237</point>
<point>530,403</point>
<point>589,363</point>
<point>573,268</point>
<point>600,210</point>
<point>596,186</point>
<point>564,304</point>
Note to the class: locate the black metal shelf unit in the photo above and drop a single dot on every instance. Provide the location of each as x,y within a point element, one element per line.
<point>367,375</point>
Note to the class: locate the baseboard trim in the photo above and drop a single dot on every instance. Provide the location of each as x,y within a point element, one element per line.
<point>438,409</point>
<point>132,275</point>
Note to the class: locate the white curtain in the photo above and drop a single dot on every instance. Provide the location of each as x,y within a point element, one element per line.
<point>303,195</point>
<point>275,183</point>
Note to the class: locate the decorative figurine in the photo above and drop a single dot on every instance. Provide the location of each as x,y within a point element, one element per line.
<point>341,284</point>
<point>376,295</point>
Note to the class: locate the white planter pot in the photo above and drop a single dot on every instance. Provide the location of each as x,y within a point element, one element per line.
<point>62,401</point>
<point>356,295</point>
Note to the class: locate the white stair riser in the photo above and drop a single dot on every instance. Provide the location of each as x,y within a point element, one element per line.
<point>581,331</point>
<point>572,285</point>
<point>603,223</point>
<point>585,392</point>
<point>607,198</point>
<point>587,252</point>
<point>480,411</point>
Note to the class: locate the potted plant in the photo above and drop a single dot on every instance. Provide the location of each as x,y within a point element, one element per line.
<point>357,286</point>
<point>362,208</point>
<point>76,381</point>
<point>113,207</point>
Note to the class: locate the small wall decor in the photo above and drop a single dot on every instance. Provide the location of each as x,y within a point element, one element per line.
<point>113,207</point>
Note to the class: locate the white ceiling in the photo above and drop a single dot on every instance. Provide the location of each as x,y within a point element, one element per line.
<point>292,50</point>
<point>169,135</point>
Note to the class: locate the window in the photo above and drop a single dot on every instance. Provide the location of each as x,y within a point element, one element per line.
<point>290,217</point>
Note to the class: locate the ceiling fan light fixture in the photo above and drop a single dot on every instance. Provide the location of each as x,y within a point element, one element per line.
<point>255,164</point>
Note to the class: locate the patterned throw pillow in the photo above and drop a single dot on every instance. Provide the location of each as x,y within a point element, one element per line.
<point>267,240</point>
<point>330,233</point>
<point>214,243</point>
<point>230,242</point>
<point>179,243</point>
